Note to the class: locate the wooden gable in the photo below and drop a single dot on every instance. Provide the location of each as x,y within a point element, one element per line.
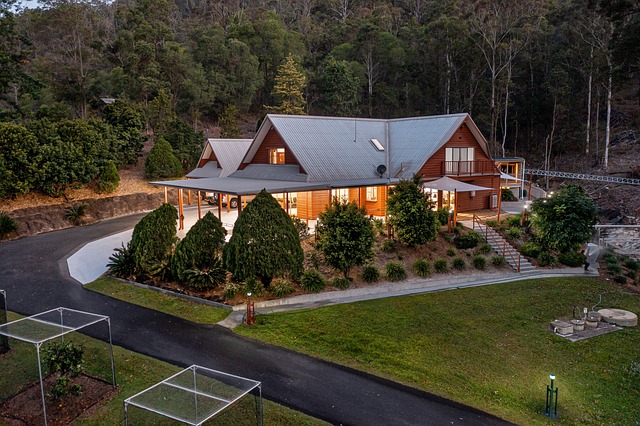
<point>272,140</point>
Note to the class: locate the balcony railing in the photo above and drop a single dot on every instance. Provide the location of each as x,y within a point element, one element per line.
<point>467,168</point>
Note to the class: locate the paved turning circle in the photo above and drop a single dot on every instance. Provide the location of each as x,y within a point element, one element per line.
<point>34,276</point>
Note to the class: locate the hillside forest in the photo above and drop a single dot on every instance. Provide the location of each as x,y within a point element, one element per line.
<point>542,78</point>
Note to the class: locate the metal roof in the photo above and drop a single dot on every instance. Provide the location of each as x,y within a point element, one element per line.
<point>288,172</point>
<point>210,169</point>
<point>229,153</point>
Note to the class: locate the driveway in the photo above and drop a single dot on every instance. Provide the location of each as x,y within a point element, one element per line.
<point>34,274</point>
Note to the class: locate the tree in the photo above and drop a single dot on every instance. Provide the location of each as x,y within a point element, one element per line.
<point>153,240</point>
<point>290,84</point>
<point>264,243</point>
<point>199,248</point>
<point>127,120</point>
<point>109,179</point>
<point>565,220</point>
<point>186,142</point>
<point>161,163</point>
<point>345,236</point>
<point>410,213</point>
<point>340,89</point>
<point>229,123</point>
<point>18,148</point>
<point>14,80</point>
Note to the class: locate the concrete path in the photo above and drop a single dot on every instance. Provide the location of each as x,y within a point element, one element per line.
<point>34,276</point>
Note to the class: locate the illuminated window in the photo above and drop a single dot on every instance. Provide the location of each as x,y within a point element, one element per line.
<point>276,156</point>
<point>372,193</point>
<point>459,160</point>
<point>342,195</point>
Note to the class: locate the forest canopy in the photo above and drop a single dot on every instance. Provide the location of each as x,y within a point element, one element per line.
<point>535,75</point>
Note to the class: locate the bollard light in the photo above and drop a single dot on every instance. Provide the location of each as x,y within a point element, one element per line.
<point>551,406</point>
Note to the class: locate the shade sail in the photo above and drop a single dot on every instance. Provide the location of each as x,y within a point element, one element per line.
<point>506,176</point>
<point>448,184</point>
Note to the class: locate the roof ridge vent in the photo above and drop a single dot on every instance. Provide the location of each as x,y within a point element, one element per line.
<point>376,143</point>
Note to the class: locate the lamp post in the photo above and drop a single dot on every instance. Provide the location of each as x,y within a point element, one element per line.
<point>523,219</point>
<point>251,312</point>
<point>551,408</point>
<point>450,222</point>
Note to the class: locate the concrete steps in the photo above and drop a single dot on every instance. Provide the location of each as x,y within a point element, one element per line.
<point>503,248</point>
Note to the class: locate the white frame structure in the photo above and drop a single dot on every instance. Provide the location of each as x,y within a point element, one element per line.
<point>48,325</point>
<point>205,392</point>
<point>4,309</point>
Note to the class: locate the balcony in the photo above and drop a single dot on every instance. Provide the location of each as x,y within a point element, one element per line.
<point>468,168</point>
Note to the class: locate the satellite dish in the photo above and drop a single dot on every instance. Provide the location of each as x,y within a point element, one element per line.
<point>381,169</point>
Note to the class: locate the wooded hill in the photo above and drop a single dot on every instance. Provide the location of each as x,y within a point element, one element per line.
<point>536,75</point>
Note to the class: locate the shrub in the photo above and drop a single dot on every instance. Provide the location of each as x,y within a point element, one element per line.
<point>199,252</point>
<point>442,216</point>
<point>484,248</point>
<point>108,179</point>
<point>530,250</point>
<point>301,227</point>
<point>388,246</point>
<point>7,224</point>
<point>479,262</point>
<point>571,259</point>
<point>421,268</point>
<point>395,271</point>
<point>341,282</point>
<point>514,233</point>
<point>153,238</point>
<point>264,244</point>
<point>65,359</point>
<point>614,268</point>
<point>370,274</point>
<point>345,236</point>
<point>458,263</point>
<point>629,263</point>
<point>467,241</point>
<point>498,261</point>
<point>492,223</point>
<point>161,162</point>
<point>230,291</point>
<point>312,281</point>
<point>547,259</point>
<point>76,213</point>
<point>253,286</point>
<point>409,212</point>
<point>451,252</point>
<point>514,221</point>
<point>378,225</point>
<point>631,274</point>
<point>507,195</point>
<point>620,279</point>
<point>441,266</point>
<point>121,262</point>
<point>609,256</point>
<point>203,279</point>
<point>281,288</point>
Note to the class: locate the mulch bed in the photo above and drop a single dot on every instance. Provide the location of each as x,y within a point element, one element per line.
<point>25,408</point>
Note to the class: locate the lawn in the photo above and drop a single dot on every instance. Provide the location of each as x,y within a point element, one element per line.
<point>488,347</point>
<point>192,311</point>
<point>134,372</point>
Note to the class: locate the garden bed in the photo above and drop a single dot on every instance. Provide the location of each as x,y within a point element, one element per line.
<point>25,408</point>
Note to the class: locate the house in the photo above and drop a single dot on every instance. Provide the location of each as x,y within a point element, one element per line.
<point>512,175</point>
<point>305,161</point>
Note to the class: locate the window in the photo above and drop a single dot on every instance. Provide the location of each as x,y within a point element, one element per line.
<point>342,195</point>
<point>377,144</point>
<point>372,193</point>
<point>276,156</point>
<point>459,160</point>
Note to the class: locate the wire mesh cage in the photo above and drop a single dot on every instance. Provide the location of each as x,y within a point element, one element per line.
<point>4,340</point>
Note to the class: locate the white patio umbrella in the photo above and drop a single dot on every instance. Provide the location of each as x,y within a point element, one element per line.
<point>448,184</point>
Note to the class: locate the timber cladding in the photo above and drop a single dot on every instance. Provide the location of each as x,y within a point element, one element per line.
<point>273,141</point>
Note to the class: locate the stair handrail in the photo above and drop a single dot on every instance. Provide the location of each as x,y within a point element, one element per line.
<point>487,235</point>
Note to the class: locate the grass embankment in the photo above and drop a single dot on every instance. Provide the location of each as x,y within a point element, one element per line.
<point>488,347</point>
<point>134,372</point>
<point>192,311</point>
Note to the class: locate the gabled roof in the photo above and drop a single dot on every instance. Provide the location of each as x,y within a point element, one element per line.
<point>228,153</point>
<point>334,148</point>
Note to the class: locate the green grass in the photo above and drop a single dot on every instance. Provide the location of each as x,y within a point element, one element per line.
<point>134,372</point>
<point>488,347</point>
<point>196,312</point>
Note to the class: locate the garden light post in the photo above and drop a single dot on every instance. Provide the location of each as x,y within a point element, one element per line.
<point>450,222</point>
<point>523,219</point>
<point>251,312</point>
<point>551,408</point>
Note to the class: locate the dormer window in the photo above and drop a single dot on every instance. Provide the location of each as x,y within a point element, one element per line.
<point>276,156</point>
